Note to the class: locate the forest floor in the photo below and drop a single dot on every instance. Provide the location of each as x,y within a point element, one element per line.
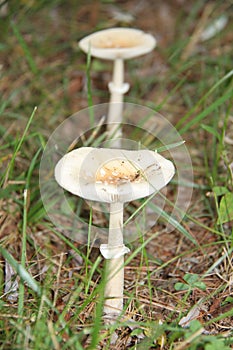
<point>178,283</point>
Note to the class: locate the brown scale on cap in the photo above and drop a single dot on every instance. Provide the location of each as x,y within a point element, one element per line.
<point>117,172</point>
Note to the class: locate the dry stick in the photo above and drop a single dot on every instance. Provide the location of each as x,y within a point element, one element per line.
<point>58,278</point>
<point>197,32</point>
<point>184,345</point>
<point>53,335</point>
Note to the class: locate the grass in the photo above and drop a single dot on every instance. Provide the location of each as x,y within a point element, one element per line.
<point>168,275</point>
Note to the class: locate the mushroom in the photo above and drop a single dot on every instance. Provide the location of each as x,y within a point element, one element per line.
<point>117,44</point>
<point>113,176</point>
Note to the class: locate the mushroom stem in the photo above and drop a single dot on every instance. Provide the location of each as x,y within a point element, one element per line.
<point>117,89</point>
<point>114,288</point>
<point>116,86</point>
<point>114,252</point>
<point>115,237</point>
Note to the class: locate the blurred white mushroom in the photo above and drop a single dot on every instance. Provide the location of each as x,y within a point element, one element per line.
<point>214,28</point>
<point>117,44</point>
<point>113,176</point>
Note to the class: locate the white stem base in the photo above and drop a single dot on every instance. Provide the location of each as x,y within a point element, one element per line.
<point>114,288</point>
<point>114,252</point>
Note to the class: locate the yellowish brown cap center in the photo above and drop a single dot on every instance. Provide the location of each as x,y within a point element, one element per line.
<point>116,172</point>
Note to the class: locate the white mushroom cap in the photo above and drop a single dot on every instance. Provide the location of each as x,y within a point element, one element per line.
<point>115,43</point>
<point>113,175</point>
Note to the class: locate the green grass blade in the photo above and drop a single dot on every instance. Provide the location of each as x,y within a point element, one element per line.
<point>171,146</point>
<point>25,49</point>
<point>18,146</point>
<point>23,253</point>
<point>211,90</point>
<point>21,271</point>
<point>98,318</point>
<point>31,168</point>
<point>172,221</point>
<point>207,111</point>
<point>89,91</point>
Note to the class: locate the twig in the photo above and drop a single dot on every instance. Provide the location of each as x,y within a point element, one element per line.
<point>197,32</point>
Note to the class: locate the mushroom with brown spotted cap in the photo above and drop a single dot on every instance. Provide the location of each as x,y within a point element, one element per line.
<point>113,176</point>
